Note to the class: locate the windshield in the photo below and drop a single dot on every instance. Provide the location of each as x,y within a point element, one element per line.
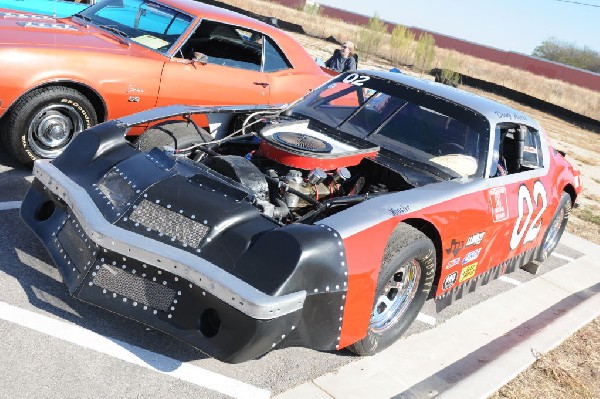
<point>145,22</point>
<point>403,119</point>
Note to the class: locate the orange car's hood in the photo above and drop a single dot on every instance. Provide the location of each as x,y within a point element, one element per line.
<point>32,30</point>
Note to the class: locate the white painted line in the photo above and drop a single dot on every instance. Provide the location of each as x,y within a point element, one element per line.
<point>132,354</point>
<point>422,317</point>
<point>509,280</point>
<point>559,256</point>
<point>5,206</point>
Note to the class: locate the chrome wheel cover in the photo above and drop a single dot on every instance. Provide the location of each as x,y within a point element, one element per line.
<point>553,231</point>
<point>52,128</point>
<point>397,295</point>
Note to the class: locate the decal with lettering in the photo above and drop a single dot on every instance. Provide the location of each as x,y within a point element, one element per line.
<point>467,272</point>
<point>449,281</point>
<point>399,210</point>
<point>452,263</point>
<point>475,239</point>
<point>499,203</point>
<point>471,256</point>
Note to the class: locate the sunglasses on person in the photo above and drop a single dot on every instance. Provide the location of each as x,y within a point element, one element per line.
<point>344,46</point>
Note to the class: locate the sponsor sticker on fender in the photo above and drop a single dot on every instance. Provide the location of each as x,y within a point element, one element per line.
<point>499,203</point>
<point>475,239</point>
<point>449,281</point>
<point>452,263</point>
<point>467,272</point>
<point>471,256</point>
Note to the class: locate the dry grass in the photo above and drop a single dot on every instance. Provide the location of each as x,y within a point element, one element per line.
<point>583,101</point>
<point>570,371</point>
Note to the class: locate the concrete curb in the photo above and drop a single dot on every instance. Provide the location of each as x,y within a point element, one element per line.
<point>478,351</point>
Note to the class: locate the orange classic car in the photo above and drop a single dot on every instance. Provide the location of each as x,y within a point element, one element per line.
<point>117,57</point>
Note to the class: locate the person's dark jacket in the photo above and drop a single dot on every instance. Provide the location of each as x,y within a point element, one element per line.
<point>341,64</point>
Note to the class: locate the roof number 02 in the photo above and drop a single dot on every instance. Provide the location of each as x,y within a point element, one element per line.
<point>356,79</point>
<point>529,231</point>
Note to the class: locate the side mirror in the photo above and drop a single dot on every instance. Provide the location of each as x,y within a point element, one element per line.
<point>200,57</point>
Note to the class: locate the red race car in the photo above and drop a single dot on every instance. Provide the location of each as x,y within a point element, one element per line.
<point>327,224</point>
<point>61,76</point>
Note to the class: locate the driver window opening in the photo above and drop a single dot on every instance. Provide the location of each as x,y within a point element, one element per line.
<point>519,149</point>
<point>225,45</point>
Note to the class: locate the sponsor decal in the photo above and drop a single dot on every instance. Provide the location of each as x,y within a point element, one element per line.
<point>527,230</point>
<point>467,272</point>
<point>399,210</point>
<point>475,239</point>
<point>455,247</point>
<point>452,263</point>
<point>499,203</point>
<point>471,256</point>
<point>529,149</point>
<point>449,281</point>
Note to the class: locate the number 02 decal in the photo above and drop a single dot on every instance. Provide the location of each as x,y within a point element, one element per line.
<point>527,230</point>
<point>356,79</point>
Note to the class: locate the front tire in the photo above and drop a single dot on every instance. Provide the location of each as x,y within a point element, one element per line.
<point>43,122</point>
<point>404,283</point>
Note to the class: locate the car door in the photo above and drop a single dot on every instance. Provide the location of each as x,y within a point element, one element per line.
<point>519,191</point>
<point>220,64</point>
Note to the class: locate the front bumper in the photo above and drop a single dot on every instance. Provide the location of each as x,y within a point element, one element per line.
<point>152,282</point>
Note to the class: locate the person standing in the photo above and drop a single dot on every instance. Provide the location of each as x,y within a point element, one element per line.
<point>343,59</point>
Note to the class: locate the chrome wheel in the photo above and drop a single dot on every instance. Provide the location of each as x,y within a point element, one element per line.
<point>52,128</point>
<point>396,297</point>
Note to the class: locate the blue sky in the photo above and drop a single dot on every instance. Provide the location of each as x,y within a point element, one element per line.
<point>516,25</point>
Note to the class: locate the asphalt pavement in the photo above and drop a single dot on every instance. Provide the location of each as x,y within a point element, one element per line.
<point>54,346</point>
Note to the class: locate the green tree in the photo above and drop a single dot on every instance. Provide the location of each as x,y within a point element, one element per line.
<point>556,50</point>
<point>371,35</point>
<point>425,52</point>
<point>401,45</point>
<point>448,74</point>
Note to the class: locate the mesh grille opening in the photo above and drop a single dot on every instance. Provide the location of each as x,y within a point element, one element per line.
<point>134,287</point>
<point>172,224</point>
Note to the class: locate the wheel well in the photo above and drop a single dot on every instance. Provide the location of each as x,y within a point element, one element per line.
<point>91,94</point>
<point>569,189</point>
<point>432,233</point>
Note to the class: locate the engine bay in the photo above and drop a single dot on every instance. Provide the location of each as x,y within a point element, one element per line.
<point>296,172</point>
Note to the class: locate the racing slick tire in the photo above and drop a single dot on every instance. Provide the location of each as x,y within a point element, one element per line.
<point>44,121</point>
<point>176,134</point>
<point>556,227</point>
<point>403,286</point>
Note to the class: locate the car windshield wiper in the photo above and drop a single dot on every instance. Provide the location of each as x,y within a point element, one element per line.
<point>121,36</point>
<point>85,18</point>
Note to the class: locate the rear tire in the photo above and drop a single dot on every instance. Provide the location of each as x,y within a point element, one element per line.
<point>176,134</point>
<point>43,122</point>
<point>404,283</point>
